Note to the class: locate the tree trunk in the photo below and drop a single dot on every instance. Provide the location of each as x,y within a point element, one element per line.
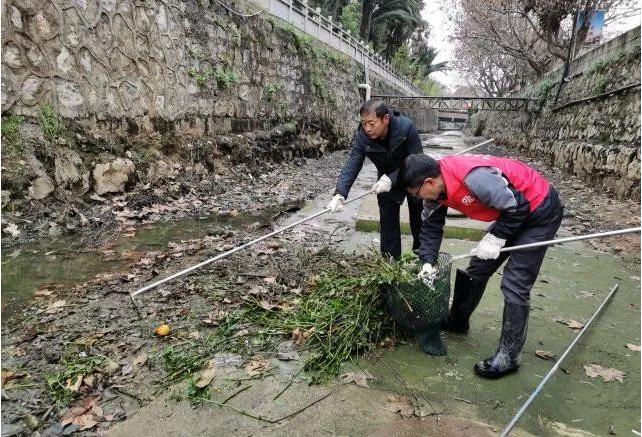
<point>366,18</point>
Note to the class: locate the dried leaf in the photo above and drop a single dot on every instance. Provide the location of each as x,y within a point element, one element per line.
<point>299,336</point>
<point>48,289</point>
<point>400,404</point>
<point>10,375</point>
<point>545,355</point>
<point>258,289</point>
<point>140,360</point>
<point>267,305</point>
<point>89,380</point>
<point>607,374</point>
<point>360,378</point>
<point>12,229</point>
<point>206,376</point>
<point>633,347</point>
<point>74,386</point>
<point>257,366</point>
<point>573,324</point>
<point>583,294</point>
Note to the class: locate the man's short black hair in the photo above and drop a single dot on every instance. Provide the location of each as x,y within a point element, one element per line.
<point>417,168</point>
<point>374,105</point>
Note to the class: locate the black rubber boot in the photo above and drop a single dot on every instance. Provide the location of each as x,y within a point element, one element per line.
<point>431,343</point>
<point>509,353</point>
<point>466,296</point>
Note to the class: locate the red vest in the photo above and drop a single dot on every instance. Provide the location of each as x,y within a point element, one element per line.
<point>454,170</point>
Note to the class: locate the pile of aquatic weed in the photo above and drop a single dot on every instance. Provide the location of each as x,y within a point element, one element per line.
<point>342,315</point>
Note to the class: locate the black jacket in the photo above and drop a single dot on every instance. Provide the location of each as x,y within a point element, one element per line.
<point>403,140</point>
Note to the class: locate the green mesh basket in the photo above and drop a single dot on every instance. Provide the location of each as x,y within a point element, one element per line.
<point>417,306</point>
<point>422,308</point>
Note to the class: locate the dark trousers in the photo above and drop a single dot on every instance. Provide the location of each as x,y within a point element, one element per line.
<point>390,228</point>
<point>523,266</point>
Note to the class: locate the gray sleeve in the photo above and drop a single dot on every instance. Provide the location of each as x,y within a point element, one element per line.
<point>488,185</point>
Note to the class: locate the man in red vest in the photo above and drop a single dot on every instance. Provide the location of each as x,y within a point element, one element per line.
<point>524,207</point>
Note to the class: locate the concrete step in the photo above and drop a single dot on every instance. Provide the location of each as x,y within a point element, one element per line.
<point>457,225</point>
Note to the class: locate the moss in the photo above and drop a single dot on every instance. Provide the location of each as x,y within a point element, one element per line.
<point>601,84</point>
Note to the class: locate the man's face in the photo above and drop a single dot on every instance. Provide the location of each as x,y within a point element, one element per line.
<point>376,128</point>
<point>430,189</point>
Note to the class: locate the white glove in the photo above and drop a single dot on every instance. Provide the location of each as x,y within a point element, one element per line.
<point>489,247</point>
<point>427,273</point>
<point>383,185</point>
<point>336,204</point>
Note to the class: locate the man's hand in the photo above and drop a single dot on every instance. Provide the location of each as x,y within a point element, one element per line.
<point>489,247</point>
<point>336,204</point>
<point>427,274</point>
<point>383,185</point>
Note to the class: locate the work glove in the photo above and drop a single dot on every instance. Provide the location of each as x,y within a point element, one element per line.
<point>383,185</point>
<point>427,273</point>
<point>336,204</point>
<point>489,247</point>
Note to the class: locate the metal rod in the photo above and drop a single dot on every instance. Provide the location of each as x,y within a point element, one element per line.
<point>264,237</point>
<point>241,247</point>
<point>521,411</point>
<point>483,143</point>
<point>551,242</point>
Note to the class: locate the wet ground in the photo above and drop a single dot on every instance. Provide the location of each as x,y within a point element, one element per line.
<point>409,393</point>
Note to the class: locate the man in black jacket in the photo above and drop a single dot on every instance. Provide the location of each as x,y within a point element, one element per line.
<point>386,138</point>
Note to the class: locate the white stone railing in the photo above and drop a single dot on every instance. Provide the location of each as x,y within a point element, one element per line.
<point>324,29</point>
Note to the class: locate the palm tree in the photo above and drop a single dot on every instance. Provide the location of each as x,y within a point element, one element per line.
<point>399,19</point>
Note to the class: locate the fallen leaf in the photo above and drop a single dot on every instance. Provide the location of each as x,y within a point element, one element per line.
<point>48,289</point>
<point>400,404</point>
<point>257,366</point>
<point>583,294</point>
<point>573,324</point>
<point>607,374</point>
<point>89,380</point>
<point>241,333</point>
<point>206,376</point>
<point>360,378</point>
<point>545,355</point>
<point>12,229</point>
<point>55,307</point>
<point>9,376</point>
<point>140,359</point>
<point>74,386</point>
<point>258,289</point>
<point>267,305</point>
<point>633,347</point>
<point>299,336</point>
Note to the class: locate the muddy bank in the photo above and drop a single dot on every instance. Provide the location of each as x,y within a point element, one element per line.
<point>96,188</point>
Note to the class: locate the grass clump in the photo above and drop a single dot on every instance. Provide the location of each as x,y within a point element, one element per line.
<point>10,129</point>
<point>180,364</point>
<point>60,383</point>
<point>343,316</point>
<point>50,122</point>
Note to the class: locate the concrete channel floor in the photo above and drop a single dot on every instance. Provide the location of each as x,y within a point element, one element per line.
<point>452,400</point>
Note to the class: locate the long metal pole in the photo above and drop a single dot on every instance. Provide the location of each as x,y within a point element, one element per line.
<point>241,247</point>
<point>558,241</point>
<point>521,411</point>
<point>271,234</point>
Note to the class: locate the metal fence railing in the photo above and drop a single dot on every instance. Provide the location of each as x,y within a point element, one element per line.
<point>324,29</point>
